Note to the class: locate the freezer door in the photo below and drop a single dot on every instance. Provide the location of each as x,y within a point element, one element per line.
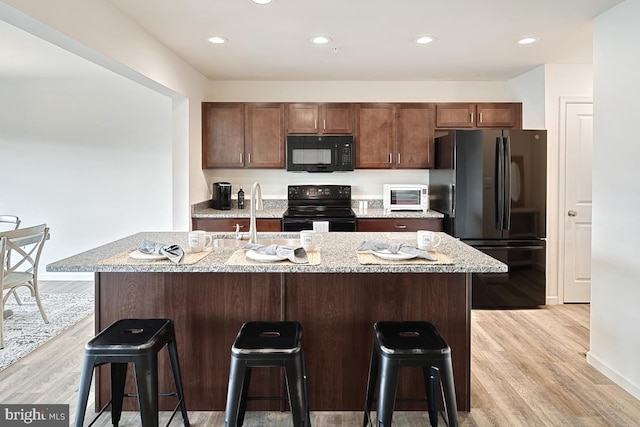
<point>523,286</point>
<point>476,173</point>
<point>526,180</point>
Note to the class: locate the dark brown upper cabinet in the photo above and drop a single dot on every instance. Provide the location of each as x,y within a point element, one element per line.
<point>394,136</point>
<point>238,135</point>
<point>414,136</point>
<point>310,118</point>
<point>479,115</point>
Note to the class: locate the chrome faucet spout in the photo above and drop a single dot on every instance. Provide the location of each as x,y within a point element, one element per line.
<point>256,204</point>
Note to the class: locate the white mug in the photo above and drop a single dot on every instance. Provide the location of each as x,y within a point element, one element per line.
<point>198,240</point>
<point>310,239</point>
<point>428,240</point>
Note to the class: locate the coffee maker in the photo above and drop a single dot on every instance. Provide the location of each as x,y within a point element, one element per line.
<point>221,196</point>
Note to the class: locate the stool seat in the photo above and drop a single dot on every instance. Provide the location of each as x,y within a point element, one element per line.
<point>410,338</point>
<point>268,337</point>
<point>412,343</point>
<point>128,335</point>
<point>135,341</point>
<point>267,344</point>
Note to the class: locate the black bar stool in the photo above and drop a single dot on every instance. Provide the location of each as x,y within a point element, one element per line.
<point>261,344</point>
<point>398,344</point>
<point>136,341</point>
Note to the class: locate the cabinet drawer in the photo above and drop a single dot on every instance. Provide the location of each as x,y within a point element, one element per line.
<point>228,225</point>
<point>400,224</point>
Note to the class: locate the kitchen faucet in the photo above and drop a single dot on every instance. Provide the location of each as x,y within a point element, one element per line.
<point>256,204</point>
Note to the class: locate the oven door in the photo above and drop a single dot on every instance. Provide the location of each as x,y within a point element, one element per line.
<point>335,224</point>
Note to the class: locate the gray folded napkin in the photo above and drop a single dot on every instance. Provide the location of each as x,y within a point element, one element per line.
<point>394,248</point>
<point>296,255</point>
<point>173,252</point>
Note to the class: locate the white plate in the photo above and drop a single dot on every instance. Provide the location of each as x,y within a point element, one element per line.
<point>385,254</point>
<point>146,257</point>
<point>260,257</point>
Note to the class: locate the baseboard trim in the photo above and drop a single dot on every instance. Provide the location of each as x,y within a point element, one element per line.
<point>552,300</point>
<point>613,375</point>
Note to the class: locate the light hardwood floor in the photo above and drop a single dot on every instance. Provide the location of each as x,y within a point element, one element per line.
<point>528,369</point>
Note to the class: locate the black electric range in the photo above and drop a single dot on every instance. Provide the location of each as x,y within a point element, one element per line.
<point>309,203</point>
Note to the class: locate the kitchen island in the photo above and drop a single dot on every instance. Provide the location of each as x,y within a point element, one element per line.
<point>337,302</point>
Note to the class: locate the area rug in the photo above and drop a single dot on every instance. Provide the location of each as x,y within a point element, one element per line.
<point>25,331</point>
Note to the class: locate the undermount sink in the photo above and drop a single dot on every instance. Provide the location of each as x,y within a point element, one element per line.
<point>235,243</point>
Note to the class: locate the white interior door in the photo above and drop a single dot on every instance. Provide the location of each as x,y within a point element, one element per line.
<point>577,209</point>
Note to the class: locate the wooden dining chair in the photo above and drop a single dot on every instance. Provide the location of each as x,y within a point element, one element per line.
<point>8,223</point>
<point>21,269</point>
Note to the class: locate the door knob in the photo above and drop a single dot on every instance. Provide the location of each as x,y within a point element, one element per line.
<point>572,213</point>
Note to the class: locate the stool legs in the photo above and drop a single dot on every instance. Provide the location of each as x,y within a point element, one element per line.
<point>296,386</point>
<point>83,390</point>
<point>372,381</point>
<point>146,369</point>
<point>430,374</point>
<point>177,377</point>
<point>387,393</point>
<point>235,393</point>
<point>449,391</point>
<point>118,378</point>
<point>238,390</point>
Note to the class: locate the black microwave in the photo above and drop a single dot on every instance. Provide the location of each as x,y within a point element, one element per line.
<point>320,153</point>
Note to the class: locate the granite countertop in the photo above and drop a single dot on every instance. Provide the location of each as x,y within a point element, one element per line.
<point>276,208</point>
<point>337,256</point>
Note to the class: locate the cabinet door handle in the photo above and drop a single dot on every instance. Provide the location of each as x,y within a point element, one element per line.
<point>315,123</point>
<point>471,115</point>
<point>398,159</point>
<point>400,227</point>
<point>479,117</point>
<point>248,157</point>
<point>390,158</point>
<point>324,124</point>
<point>241,157</point>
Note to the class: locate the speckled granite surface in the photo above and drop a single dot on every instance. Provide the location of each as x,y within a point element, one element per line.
<point>338,256</point>
<point>276,208</point>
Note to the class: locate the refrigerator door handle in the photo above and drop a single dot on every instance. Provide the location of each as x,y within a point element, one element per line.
<point>507,183</point>
<point>499,184</point>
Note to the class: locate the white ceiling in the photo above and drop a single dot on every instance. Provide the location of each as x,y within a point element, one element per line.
<point>372,40</point>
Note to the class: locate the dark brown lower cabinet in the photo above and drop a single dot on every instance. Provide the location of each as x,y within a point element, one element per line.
<point>228,225</point>
<point>407,224</point>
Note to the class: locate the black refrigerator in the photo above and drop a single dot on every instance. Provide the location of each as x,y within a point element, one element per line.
<point>491,185</point>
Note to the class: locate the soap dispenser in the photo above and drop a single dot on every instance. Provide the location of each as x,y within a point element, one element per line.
<point>241,198</point>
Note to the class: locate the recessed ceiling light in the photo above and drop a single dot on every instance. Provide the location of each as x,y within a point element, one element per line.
<point>320,39</point>
<point>424,39</point>
<point>217,40</point>
<point>527,40</point>
<point>263,1</point>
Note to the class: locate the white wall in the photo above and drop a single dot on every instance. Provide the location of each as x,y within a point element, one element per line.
<point>89,157</point>
<point>529,88</point>
<point>615,289</point>
<point>98,31</point>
